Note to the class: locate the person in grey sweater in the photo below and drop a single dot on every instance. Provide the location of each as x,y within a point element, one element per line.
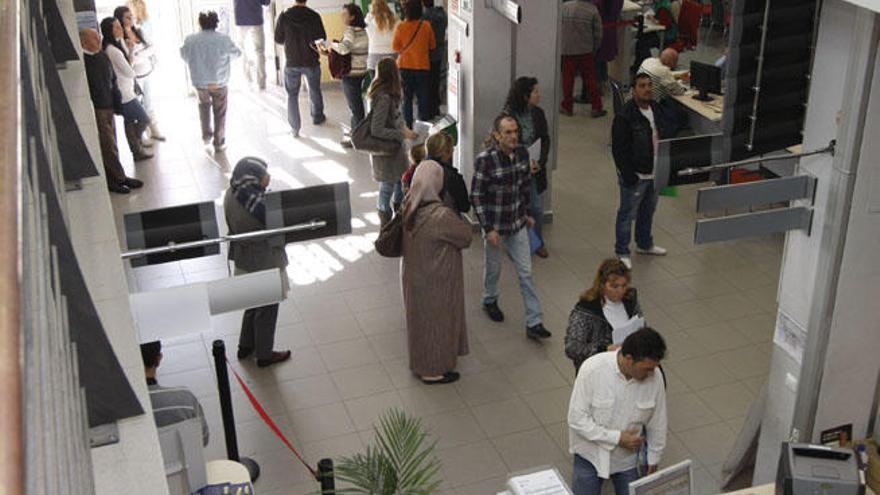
<point>245,212</point>
<point>581,37</point>
<point>387,123</point>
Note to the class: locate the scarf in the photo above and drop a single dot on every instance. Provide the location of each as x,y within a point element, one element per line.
<point>426,185</point>
<point>246,186</point>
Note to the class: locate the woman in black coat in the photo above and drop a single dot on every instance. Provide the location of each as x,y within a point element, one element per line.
<point>522,105</point>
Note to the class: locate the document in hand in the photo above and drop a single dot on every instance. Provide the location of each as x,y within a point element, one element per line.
<point>620,333</point>
<point>421,128</point>
<point>535,150</point>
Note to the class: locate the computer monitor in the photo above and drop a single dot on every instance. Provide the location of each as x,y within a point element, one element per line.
<point>705,78</point>
<point>327,202</point>
<point>674,480</point>
<point>177,224</point>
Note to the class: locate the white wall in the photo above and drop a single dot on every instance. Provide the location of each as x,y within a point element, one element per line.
<point>806,261</point>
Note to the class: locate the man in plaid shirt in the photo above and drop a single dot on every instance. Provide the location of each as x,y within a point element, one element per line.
<point>500,195</point>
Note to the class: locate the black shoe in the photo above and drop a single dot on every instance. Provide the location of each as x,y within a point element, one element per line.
<point>537,332</point>
<point>244,352</point>
<point>320,120</point>
<point>277,357</point>
<point>448,377</point>
<point>599,113</point>
<point>133,183</point>
<point>493,311</point>
<point>119,188</point>
<point>138,157</point>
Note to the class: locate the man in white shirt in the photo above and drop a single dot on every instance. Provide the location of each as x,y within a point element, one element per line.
<point>617,396</point>
<point>660,69</point>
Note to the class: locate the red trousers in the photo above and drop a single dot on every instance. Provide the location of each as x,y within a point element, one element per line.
<point>585,65</point>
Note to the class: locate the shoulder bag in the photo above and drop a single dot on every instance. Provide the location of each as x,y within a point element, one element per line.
<point>340,65</point>
<point>390,241</point>
<point>362,139</point>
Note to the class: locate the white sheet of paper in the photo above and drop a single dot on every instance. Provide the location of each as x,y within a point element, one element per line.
<point>535,150</point>
<point>545,482</point>
<point>322,42</point>
<point>421,128</point>
<point>621,333</point>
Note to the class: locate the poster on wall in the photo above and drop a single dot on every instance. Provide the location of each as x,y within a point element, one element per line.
<point>790,336</point>
<point>452,87</point>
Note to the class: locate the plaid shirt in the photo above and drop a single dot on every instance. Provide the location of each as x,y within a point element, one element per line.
<point>500,190</point>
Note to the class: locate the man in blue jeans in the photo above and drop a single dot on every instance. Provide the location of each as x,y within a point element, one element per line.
<point>500,193</point>
<point>298,28</point>
<point>617,396</point>
<point>634,135</point>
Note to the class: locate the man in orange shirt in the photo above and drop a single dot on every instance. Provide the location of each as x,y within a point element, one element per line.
<point>413,41</point>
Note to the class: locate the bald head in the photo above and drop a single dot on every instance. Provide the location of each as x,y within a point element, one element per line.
<point>669,58</point>
<point>90,39</point>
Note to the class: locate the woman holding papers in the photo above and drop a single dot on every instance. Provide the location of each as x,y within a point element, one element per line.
<point>522,105</point>
<point>605,314</point>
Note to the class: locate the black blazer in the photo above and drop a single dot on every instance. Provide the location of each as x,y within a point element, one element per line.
<point>632,140</point>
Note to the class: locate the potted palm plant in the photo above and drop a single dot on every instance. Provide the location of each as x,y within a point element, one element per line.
<point>399,462</point>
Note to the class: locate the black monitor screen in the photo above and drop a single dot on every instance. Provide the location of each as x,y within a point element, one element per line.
<point>178,224</point>
<point>706,78</point>
<point>328,202</point>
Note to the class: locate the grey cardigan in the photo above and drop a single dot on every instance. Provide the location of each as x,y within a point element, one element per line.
<point>386,124</point>
<point>581,27</point>
<point>251,255</point>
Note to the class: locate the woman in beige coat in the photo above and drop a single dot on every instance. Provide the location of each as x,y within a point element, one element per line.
<point>433,278</point>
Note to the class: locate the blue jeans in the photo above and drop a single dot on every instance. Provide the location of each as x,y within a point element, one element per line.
<point>292,83</point>
<point>536,210</point>
<point>133,111</point>
<point>638,201</point>
<point>416,83</point>
<point>351,87</point>
<point>585,480</point>
<point>517,247</point>
<point>388,191</point>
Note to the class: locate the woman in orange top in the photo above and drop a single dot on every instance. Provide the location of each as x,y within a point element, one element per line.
<point>413,40</point>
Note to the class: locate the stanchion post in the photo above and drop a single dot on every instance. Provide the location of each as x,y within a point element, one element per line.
<point>325,476</point>
<point>218,349</point>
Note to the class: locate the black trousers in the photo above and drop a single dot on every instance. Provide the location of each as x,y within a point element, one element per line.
<point>258,330</point>
<point>435,97</point>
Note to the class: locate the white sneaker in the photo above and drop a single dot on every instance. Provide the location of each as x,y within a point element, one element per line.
<point>147,142</point>
<point>653,251</point>
<point>626,261</point>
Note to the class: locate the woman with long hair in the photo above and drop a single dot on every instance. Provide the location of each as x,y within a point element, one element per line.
<point>386,123</point>
<point>381,21</point>
<point>355,42</point>
<point>142,56</point>
<point>608,304</point>
<point>522,105</point>
<point>432,275</point>
<point>413,41</point>
<point>133,113</point>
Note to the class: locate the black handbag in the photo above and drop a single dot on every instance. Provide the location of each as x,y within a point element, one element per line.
<point>340,65</point>
<point>362,139</point>
<point>390,241</point>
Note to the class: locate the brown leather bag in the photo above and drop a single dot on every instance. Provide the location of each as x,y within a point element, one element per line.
<point>390,241</point>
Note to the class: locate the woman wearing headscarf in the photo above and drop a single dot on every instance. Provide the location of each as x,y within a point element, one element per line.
<point>245,212</point>
<point>433,278</point>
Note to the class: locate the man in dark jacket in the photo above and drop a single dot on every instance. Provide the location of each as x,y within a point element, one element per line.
<point>634,135</point>
<point>298,28</point>
<point>437,17</point>
<point>249,19</point>
<point>103,92</point>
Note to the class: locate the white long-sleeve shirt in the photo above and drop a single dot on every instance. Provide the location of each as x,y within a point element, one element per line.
<point>379,41</point>
<point>604,403</point>
<point>124,73</point>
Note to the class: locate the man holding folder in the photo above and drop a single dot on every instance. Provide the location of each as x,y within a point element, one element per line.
<point>617,396</point>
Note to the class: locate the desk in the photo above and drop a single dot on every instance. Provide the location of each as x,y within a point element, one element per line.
<point>704,117</point>
<point>224,471</point>
<point>770,489</point>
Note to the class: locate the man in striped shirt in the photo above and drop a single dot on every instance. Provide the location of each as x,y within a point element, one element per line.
<point>171,405</point>
<point>500,193</point>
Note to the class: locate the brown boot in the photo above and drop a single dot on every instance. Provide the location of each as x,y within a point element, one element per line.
<point>384,218</point>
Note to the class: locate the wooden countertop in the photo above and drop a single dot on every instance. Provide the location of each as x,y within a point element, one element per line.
<point>710,110</point>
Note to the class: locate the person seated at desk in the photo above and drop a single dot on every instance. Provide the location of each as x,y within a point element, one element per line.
<point>663,81</point>
<point>665,13</point>
<point>171,405</point>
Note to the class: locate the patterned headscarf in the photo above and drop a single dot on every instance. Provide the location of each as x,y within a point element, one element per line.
<point>427,183</point>
<point>246,186</point>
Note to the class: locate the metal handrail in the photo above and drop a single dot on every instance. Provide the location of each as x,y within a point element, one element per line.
<point>257,234</point>
<point>750,161</point>
<point>11,426</point>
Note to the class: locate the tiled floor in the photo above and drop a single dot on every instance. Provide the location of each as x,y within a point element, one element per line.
<point>714,303</point>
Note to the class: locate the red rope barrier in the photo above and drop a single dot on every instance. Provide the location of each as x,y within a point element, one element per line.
<point>269,422</point>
